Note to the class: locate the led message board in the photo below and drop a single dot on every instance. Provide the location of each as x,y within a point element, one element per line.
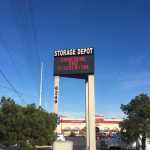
<point>76,63</point>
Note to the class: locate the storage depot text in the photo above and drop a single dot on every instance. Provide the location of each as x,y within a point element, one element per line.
<point>73,52</point>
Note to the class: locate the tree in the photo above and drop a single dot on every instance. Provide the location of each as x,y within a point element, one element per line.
<point>97,130</point>
<point>83,131</point>
<point>137,123</point>
<point>8,119</point>
<point>25,126</point>
<point>72,134</point>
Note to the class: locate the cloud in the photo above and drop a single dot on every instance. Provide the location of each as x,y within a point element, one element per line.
<point>134,80</point>
<point>136,83</point>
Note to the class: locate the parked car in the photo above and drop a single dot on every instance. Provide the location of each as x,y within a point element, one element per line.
<point>111,143</point>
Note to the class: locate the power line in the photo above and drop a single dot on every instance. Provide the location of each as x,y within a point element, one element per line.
<point>27,18</point>
<point>34,29</point>
<point>21,93</point>
<point>4,45</point>
<point>5,87</point>
<point>11,86</point>
<point>22,24</point>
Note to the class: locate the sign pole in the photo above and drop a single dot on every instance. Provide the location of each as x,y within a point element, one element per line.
<point>91,97</point>
<point>56,93</point>
<point>87,114</point>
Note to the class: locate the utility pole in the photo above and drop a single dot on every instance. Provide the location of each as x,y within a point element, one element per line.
<point>40,103</point>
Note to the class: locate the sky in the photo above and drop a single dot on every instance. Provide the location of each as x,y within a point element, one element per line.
<point>119,31</point>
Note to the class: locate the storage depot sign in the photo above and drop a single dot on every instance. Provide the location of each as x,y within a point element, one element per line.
<point>76,63</point>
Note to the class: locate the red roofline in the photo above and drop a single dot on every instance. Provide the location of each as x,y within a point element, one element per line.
<point>97,121</point>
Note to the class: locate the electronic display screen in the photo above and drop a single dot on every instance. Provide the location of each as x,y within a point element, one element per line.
<point>74,62</point>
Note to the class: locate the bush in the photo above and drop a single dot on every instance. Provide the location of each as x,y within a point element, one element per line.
<point>25,146</point>
<point>19,124</point>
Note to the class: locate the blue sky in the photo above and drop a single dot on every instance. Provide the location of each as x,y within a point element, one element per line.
<point>118,30</point>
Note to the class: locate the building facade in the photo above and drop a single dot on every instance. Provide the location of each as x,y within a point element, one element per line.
<point>77,126</point>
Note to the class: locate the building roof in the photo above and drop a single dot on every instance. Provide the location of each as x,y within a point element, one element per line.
<point>99,119</point>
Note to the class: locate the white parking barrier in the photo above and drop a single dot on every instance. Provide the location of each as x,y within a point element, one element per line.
<point>43,147</point>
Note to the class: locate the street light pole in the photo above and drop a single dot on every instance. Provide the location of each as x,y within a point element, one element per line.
<point>40,103</point>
